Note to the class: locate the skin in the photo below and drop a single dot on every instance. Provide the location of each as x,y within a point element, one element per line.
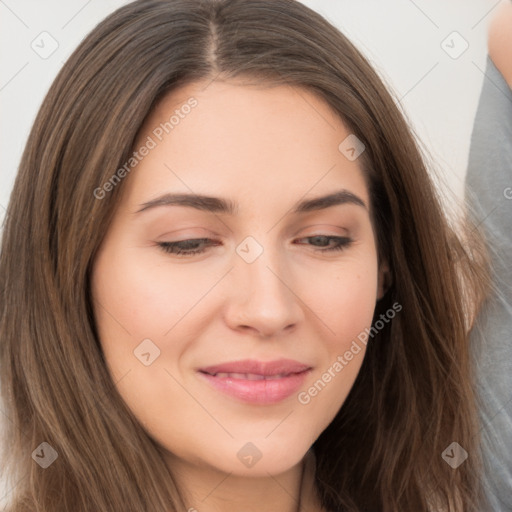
<point>265,148</point>
<point>499,40</point>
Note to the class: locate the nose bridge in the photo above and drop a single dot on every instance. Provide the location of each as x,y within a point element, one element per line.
<point>264,294</point>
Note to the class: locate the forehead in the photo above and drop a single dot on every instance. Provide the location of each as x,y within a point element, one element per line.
<point>251,140</point>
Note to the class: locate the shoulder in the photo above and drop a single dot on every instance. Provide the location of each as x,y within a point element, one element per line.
<point>499,40</point>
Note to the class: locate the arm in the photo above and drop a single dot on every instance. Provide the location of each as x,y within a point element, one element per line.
<point>499,40</point>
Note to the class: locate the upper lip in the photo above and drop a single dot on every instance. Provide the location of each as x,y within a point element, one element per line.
<point>252,366</point>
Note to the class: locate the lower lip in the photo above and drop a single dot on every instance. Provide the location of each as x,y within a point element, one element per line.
<point>258,391</point>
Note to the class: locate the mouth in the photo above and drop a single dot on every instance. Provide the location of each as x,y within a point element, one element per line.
<point>248,376</point>
<point>256,382</point>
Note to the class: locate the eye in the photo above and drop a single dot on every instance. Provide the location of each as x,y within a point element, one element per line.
<point>341,242</point>
<point>186,247</point>
<point>199,245</point>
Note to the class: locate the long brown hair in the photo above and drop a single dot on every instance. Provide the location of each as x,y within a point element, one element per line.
<point>413,396</point>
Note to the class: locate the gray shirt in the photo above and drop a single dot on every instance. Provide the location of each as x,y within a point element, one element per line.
<point>489,193</point>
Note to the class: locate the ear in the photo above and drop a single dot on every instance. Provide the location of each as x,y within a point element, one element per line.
<point>384,279</point>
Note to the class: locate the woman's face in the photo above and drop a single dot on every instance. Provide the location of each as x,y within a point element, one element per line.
<point>237,354</point>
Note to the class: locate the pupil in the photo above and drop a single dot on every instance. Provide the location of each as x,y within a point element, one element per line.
<point>192,244</point>
<point>321,238</point>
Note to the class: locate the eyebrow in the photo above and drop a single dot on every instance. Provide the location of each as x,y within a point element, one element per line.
<point>226,206</point>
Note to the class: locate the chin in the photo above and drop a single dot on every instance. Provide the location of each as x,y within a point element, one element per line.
<point>260,457</point>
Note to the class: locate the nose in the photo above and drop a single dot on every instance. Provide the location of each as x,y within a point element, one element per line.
<point>263,298</point>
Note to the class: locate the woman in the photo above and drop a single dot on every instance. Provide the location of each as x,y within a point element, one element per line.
<point>227,280</point>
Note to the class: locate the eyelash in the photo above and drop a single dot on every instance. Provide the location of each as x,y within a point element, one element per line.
<point>343,242</point>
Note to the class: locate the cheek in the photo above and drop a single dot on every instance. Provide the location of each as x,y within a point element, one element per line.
<point>343,298</point>
<point>130,306</point>
<point>141,297</point>
<point>344,301</point>
<point>134,303</point>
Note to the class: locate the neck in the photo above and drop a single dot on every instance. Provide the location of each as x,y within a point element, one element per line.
<point>206,489</point>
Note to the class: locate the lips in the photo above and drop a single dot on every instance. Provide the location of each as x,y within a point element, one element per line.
<point>281,367</point>
<point>257,382</point>
<point>249,376</point>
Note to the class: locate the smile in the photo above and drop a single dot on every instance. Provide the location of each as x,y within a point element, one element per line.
<point>256,382</point>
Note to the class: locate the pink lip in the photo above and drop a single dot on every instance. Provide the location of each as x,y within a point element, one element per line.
<point>268,391</point>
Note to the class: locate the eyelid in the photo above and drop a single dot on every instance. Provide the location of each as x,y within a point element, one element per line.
<point>173,247</point>
<point>190,233</point>
<point>323,227</point>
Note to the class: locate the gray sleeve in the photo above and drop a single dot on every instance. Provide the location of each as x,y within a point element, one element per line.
<point>489,195</point>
